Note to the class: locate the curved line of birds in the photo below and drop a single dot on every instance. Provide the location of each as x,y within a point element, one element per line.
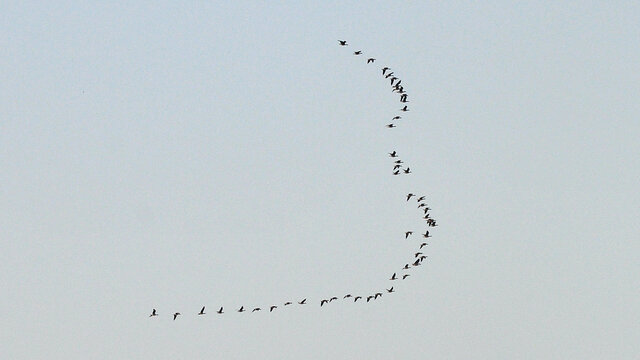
<point>398,169</point>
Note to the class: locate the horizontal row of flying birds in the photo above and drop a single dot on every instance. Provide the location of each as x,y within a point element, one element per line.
<point>418,257</point>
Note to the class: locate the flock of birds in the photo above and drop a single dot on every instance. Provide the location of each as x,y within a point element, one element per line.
<point>423,208</point>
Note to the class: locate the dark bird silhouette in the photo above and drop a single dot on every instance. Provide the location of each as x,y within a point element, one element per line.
<point>393,277</point>
<point>405,267</point>
<point>201,311</point>
<point>287,303</point>
<point>322,302</point>
<point>256,309</point>
<point>357,298</point>
<point>384,70</point>
<point>397,166</point>
<point>389,75</point>
<point>369,297</point>
<point>357,52</point>
<point>273,307</point>
<point>343,42</point>
<point>393,79</point>
<point>393,154</point>
<point>175,315</point>
<point>370,60</point>
<point>398,161</point>
<point>347,296</point>
<point>417,254</point>
<point>377,295</point>
<point>405,276</point>
<point>406,234</point>
<point>333,298</point>
<point>416,263</point>
<point>426,235</point>
<point>421,205</point>
<point>405,108</point>
<point>409,195</point>
<point>397,117</point>
<point>391,125</point>
<point>220,311</point>
<point>422,258</point>
<point>302,302</point>
<point>397,172</point>
<point>407,171</point>
<point>390,290</point>
<point>423,245</point>
<point>421,198</point>
<point>153,313</point>
<point>426,211</point>
<point>241,309</point>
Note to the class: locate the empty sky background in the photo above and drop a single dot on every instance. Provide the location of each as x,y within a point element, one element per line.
<point>169,156</point>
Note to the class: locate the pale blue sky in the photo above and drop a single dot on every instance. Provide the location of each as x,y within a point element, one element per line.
<point>178,155</point>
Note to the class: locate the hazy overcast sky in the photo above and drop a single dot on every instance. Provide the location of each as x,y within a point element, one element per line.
<point>172,155</point>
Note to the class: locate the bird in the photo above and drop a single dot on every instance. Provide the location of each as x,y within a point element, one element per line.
<point>417,254</point>
<point>426,235</point>
<point>357,52</point>
<point>422,258</point>
<point>347,296</point>
<point>421,198</point>
<point>384,70</point>
<point>153,313</point>
<point>390,290</point>
<point>421,205</point>
<point>287,303</point>
<point>393,154</point>
<point>256,309</point>
<point>405,276</point>
<point>406,234</point>
<point>426,211</point>
<point>405,108</point>
<point>241,309</point>
<point>405,267</point>
<point>343,42</point>
<point>389,75</point>
<point>201,311</point>
<point>369,297</point>
<point>324,301</point>
<point>397,172</point>
<point>377,295</point>
<point>357,298</point>
<point>220,311</point>
<point>273,307</point>
<point>393,79</point>
<point>175,315</point>
<point>398,161</point>
<point>407,171</point>
<point>302,302</point>
<point>423,245</point>
<point>333,298</point>
<point>416,263</point>
<point>393,277</point>
<point>409,195</point>
<point>370,60</point>
<point>397,166</point>
<point>397,117</point>
<point>391,125</point>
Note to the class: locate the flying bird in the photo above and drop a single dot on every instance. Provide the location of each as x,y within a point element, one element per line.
<point>220,311</point>
<point>393,277</point>
<point>287,303</point>
<point>409,195</point>
<point>201,311</point>
<point>175,315</point>
<point>391,125</point>
<point>322,302</point>
<point>343,42</point>
<point>406,234</point>
<point>370,60</point>
<point>405,267</point>
<point>405,276</point>
<point>357,298</point>
<point>423,245</point>
<point>426,235</point>
<point>333,298</point>
<point>241,309</point>
<point>256,309</point>
<point>420,198</point>
<point>397,172</point>
<point>347,296</point>
<point>390,290</point>
<point>153,313</point>
<point>393,154</point>
<point>377,295</point>
<point>384,70</point>
<point>273,307</point>
<point>369,297</point>
<point>405,108</point>
<point>302,302</point>
<point>397,117</point>
<point>407,171</point>
<point>357,52</point>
